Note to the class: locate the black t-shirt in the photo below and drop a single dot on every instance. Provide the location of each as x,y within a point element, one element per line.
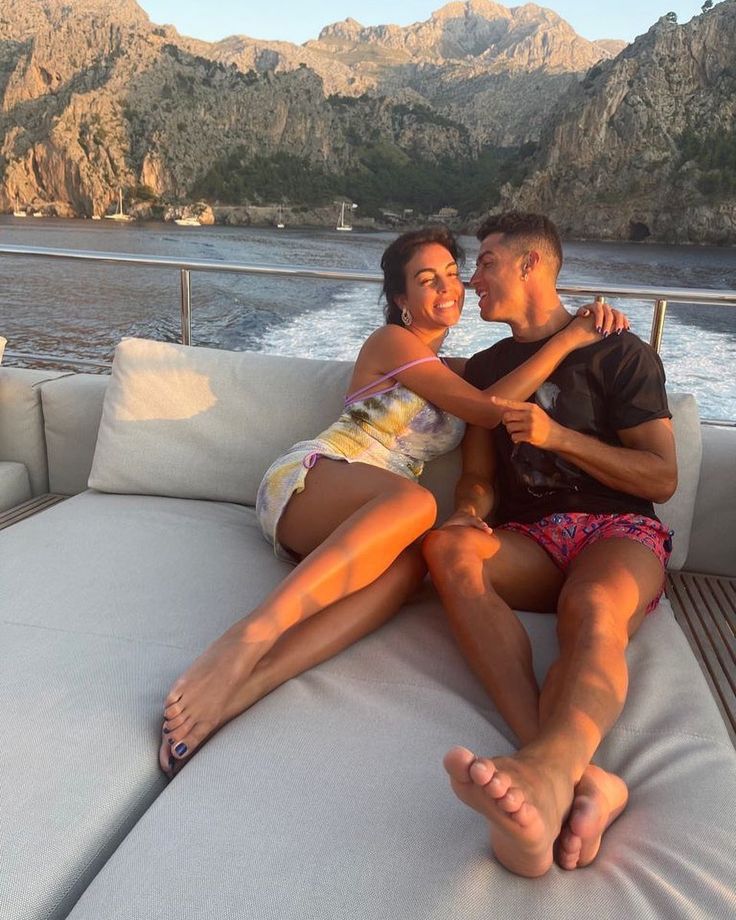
<point>598,390</point>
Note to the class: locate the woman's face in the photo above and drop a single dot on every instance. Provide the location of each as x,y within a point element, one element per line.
<point>434,292</point>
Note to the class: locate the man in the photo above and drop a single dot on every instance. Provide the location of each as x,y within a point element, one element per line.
<point>570,478</point>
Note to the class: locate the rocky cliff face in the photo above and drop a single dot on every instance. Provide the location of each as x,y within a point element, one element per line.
<point>645,146</point>
<point>495,70</point>
<point>94,97</point>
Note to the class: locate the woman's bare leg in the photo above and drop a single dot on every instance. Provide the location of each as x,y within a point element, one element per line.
<point>350,523</point>
<point>324,635</point>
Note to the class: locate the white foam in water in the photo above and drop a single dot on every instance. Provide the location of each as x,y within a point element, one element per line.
<point>695,358</point>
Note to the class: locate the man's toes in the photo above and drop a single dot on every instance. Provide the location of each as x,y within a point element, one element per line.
<point>511,801</point>
<point>483,772</point>
<point>457,763</point>
<point>569,848</point>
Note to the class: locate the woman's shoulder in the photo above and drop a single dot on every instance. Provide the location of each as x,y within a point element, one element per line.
<point>392,345</point>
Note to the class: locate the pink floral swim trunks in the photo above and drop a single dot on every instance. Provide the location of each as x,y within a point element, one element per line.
<point>564,536</point>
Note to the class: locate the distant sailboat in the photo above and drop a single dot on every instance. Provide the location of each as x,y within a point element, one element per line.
<point>120,213</point>
<point>280,219</point>
<point>341,224</point>
<point>187,221</point>
<point>18,211</point>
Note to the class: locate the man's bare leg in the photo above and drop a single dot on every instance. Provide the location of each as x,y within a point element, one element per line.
<point>468,568</point>
<point>602,604</point>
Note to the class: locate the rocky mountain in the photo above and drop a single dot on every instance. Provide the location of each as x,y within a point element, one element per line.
<point>645,145</point>
<point>94,97</point>
<point>495,70</point>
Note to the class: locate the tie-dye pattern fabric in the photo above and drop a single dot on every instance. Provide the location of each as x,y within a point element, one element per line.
<point>395,430</point>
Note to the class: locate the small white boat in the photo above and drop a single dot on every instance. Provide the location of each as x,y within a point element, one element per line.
<point>280,218</point>
<point>18,211</point>
<point>187,221</point>
<point>342,223</point>
<point>120,213</point>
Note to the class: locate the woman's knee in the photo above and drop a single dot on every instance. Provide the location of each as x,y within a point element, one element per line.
<point>414,502</point>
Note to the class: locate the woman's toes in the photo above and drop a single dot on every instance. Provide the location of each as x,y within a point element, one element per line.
<point>175,722</point>
<point>173,710</point>
<point>190,742</point>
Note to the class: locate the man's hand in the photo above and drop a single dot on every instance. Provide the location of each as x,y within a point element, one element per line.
<point>527,422</point>
<point>466,519</point>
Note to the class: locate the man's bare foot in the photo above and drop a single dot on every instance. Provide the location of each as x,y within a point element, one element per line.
<point>600,797</point>
<point>524,801</point>
<point>210,693</point>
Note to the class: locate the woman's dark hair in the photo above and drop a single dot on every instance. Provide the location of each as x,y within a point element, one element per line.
<point>398,253</point>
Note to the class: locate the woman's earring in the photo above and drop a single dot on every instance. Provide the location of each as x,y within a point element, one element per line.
<point>406,317</point>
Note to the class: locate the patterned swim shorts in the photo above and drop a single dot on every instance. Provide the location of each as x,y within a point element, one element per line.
<point>564,536</point>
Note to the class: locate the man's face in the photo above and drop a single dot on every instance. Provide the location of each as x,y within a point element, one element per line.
<point>497,279</point>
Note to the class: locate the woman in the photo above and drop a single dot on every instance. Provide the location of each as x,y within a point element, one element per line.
<point>347,506</point>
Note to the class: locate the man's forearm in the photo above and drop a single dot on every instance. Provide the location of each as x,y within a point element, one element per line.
<point>474,496</point>
<point>644,473</point>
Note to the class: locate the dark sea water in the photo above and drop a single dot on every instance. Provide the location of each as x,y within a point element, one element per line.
<point>79,310</point>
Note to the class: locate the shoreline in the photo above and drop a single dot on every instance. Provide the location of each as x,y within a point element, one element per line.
<point>360,225</point>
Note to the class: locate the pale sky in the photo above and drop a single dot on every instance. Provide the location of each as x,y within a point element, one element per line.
<point>299,20</point>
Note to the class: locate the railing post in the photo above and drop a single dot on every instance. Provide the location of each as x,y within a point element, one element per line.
<point>186,307</point>
<point>660,310</point>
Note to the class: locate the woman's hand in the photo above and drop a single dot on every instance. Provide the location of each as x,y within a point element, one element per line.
<point>595,321</point>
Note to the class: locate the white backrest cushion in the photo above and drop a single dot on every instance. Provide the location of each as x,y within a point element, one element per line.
<point>72,407</point>
<point>677,513</point>
<point>203,423</point>
<point>21,422</point>
<point>3,343</point>
<point>713,544</point>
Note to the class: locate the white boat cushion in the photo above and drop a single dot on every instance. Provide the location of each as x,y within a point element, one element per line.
<point>204,423</point>
<point>328,798</point>
<point>72,408</point>
<point>678,512</point>
<point>3,343</point>
<point>713,543</point>
<point>15,486</point>
<point>21,422</point>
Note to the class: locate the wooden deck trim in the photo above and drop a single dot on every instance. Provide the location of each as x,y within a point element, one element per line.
<point>705,608</point>
<point>29,508</point>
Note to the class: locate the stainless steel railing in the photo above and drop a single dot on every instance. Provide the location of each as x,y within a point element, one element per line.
<point>659,296</point>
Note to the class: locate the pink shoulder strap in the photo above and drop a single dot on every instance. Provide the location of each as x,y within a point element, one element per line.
<point>397,370</point>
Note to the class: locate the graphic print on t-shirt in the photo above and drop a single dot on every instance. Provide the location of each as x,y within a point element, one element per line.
<point>541,471</point>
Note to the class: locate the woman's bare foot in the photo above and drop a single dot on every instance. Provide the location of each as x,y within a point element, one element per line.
<point>524,801</point>
<point>210,693</point>
<point>600,797</point>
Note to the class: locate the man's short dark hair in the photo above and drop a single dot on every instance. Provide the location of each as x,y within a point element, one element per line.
<point>527,231</point>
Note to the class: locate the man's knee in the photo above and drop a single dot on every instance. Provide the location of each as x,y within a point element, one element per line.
<point>588,613</point>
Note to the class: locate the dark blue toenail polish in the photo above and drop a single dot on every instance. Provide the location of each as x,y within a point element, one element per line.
<point>599,329</point>
<point>166,731</point>
<point>171,762</point>
<point>170,740</point>
<point>181,749</point>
